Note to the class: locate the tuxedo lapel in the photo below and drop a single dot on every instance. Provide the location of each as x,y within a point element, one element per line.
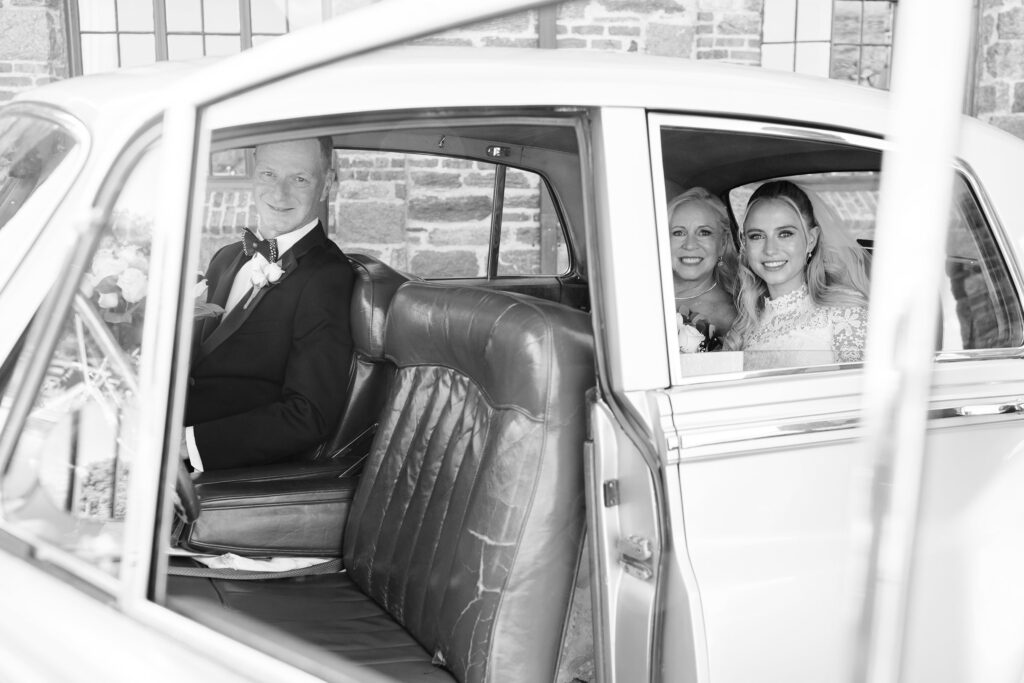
<point>221,292</point>
<point>234,318</point>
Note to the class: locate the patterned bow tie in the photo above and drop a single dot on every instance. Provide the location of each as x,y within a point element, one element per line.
<point>252,244</point>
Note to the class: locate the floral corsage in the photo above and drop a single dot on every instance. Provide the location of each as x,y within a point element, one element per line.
<point>264,274</point>
<point>696,334</point>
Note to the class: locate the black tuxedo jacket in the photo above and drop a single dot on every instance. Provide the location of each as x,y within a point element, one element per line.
<point>268,380</point>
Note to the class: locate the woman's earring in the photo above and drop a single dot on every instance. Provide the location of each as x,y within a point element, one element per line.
<point>809,256</point>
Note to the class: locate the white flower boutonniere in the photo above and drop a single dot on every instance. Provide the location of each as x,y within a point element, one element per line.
<point>264,273</point>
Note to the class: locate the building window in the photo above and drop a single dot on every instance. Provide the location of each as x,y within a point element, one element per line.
<point>107,34</point>
<point>843,39</point>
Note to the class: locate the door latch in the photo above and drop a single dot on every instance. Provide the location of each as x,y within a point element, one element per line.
<point>635,553</point>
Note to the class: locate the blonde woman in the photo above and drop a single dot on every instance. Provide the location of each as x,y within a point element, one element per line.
<point>703,263</point>
<point>803,289</point>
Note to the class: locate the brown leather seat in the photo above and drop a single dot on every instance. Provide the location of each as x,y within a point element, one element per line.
<point>374,287</point>
<point>464,534</point>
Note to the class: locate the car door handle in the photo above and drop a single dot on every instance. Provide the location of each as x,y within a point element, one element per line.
<point>989,409</point>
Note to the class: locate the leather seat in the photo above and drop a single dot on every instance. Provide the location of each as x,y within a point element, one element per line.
<point>375,285</point>
<point>464,534</point>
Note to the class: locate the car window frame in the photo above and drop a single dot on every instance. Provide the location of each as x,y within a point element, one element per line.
<point>660,120</point>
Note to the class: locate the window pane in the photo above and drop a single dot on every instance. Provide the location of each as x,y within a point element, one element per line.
<point>814,20</point>
<point>184,47</point>
<point>846,63</point>
<point>69,472</point>
<point>531,235</point>
<point>875,66</point>
<point>99,53</point>
<point>268,16</point>
<point>979,306</point>
<point>135,15</point>
<point>223,45</point>
<point>221,16</point>
<point>137,49</point>
<point>302,13</point>
<point>779,20</point>
<point>812,58</point>
<point>96,15</point>
<point>184,15</point>
<point>777,56</point>
<point>421,214</point>
<point>878,23</point>
<point>846,22</point>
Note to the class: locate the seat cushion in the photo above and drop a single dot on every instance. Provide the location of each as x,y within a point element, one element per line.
<point>328,611</point>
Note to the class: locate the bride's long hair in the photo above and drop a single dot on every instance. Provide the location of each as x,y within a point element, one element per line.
<point>836,274</point>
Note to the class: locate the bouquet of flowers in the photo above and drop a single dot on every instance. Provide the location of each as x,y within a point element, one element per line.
<point>116,283</point>
<point>696,333</point>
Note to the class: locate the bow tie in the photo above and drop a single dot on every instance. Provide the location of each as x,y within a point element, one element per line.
<point>252,244</point>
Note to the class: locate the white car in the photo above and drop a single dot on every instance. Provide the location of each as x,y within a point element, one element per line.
<point>612,508</point>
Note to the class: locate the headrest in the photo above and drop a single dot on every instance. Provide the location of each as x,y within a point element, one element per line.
<point>372,290</point>
<point>518,349</point>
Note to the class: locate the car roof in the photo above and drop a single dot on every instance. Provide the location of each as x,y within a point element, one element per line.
<point>414,77</point>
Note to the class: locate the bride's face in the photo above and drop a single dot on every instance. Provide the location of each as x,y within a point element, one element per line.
<point>777,245</point>
<point>697,241</point>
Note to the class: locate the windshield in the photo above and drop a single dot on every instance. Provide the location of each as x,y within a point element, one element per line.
<point>30,149</point>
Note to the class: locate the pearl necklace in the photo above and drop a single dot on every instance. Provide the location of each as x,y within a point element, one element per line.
<point>694,296</point>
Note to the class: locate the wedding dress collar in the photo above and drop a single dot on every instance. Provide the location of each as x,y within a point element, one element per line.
<point>789,301</point>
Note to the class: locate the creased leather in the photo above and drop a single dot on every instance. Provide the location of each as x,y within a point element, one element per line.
<point>267,517</point>
<point>374,286</point>
<point>468,517</point>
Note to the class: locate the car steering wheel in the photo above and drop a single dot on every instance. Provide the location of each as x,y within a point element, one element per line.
<point>187,504</point>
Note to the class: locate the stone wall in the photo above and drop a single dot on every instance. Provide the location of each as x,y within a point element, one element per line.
<point>999,94</point>
<point>32,45</point>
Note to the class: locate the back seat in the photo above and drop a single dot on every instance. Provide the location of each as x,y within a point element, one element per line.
<point>463,537</point>
<point>374,287</point>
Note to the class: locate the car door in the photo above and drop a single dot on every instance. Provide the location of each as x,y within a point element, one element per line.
<point>730,498</point>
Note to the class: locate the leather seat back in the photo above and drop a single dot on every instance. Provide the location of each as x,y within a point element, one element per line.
<point>375,284</point>
<point>468,519</point>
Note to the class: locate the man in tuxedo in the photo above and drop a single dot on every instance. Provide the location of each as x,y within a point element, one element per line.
<point>269,376</point>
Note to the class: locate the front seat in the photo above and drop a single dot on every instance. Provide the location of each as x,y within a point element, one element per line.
<point>465,531</point>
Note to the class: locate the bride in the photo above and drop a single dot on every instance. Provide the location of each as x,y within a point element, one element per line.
<point>803,284</point>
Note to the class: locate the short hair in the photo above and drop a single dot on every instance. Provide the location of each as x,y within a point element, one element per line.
<point>324,142</point>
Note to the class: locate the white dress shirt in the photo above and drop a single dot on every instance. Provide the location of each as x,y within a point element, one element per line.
<point>239,288</point>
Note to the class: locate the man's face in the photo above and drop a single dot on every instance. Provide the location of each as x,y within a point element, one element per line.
<point>290,184</point>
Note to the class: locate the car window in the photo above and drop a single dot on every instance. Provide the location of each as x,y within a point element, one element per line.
<point>66,481</point>
<point>30,149</point>
<point>430,216</point>
<point>979,308</point>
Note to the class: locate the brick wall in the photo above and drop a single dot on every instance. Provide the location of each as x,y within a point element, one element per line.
<point>999,94</point>
<point>32,45</point>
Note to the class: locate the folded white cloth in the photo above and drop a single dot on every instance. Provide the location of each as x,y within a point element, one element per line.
<point>269,564</point>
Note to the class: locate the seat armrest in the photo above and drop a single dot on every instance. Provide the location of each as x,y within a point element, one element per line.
<point>271,517</point>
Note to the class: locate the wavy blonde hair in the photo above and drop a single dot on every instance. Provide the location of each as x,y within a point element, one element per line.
<point>725,270</point>
<point>836,274</point>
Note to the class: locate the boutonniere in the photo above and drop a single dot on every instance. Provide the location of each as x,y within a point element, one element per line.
<point>264,274</point>
<point>203,308</point>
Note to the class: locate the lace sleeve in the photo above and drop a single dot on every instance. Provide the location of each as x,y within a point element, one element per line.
<point>849,330</point>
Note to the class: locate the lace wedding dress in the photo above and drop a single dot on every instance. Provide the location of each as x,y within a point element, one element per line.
<point>794,331</point>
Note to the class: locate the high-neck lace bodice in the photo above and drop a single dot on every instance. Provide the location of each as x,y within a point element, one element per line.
<point>793,330</point>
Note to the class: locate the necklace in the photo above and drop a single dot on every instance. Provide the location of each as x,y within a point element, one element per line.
<point>694,296</point>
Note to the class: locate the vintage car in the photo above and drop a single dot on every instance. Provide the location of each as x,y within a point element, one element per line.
<point>530,481</point>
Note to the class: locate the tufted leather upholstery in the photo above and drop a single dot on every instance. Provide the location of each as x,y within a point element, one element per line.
<point>467,522</point>
<point>374,286</point>
<point>462,538</point>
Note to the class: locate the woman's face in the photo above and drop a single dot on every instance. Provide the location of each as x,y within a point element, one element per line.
<point>697,241</point>
<point>777,246</point>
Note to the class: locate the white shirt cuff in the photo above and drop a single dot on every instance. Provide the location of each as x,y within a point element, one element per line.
<point>193,449</point>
